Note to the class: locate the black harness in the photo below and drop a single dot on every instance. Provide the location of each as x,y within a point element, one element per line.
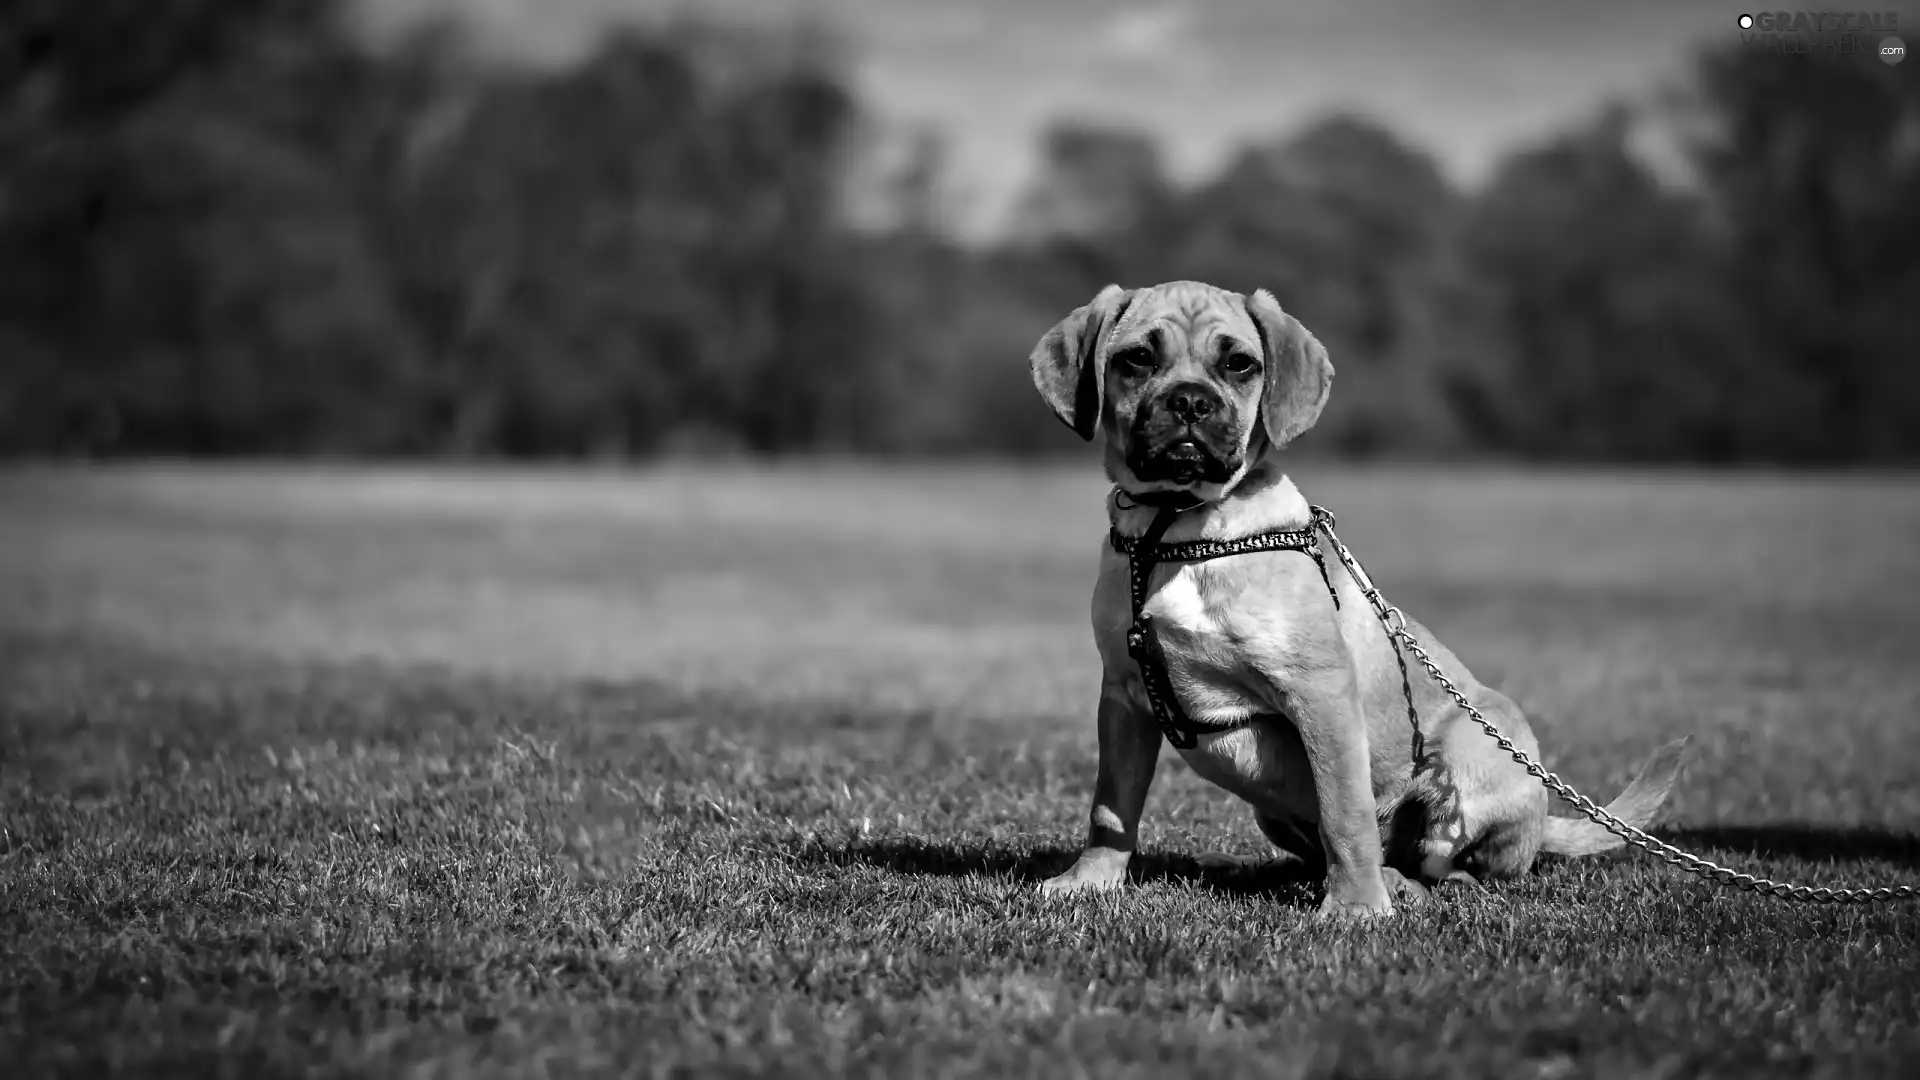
<point>1144,645</point>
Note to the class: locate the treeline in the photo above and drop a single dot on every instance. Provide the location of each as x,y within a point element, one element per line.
<point>232,228</point>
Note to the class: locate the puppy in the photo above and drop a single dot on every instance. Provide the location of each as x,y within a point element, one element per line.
<point>1292,692</point>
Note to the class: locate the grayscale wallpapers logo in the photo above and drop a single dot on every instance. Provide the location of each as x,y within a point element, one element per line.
<point>1846,33</point>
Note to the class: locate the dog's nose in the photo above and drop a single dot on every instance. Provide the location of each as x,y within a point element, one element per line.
<point>1192,403</point>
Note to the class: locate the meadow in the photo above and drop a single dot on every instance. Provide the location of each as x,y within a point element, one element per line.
<point>755,771</point>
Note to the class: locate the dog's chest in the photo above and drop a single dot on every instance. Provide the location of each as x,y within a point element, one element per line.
<point>1213,650</point>
<point>1209,638</point>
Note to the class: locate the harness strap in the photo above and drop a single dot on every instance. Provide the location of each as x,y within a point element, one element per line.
<point>1323,521</point>
<point>1143,644</point>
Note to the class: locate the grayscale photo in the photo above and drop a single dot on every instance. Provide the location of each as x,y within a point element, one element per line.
<point>981,538</point>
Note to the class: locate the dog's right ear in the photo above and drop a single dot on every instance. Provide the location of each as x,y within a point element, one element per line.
<point>1066,363</point>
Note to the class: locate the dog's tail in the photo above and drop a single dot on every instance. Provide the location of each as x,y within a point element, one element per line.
<point>1574,837</point>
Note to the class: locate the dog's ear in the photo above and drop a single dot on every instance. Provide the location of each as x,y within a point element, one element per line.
<point>1066,363</point>
<point>1299,376</point>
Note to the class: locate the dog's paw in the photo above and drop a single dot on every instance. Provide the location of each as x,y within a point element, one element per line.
<point>1071,883</point>
<point>1460,879</point>
<point>1220,860</point>
<point>1357,897</point>
<point>1404,889</point>
<point>1091,873</point>
<point>1334,909</point>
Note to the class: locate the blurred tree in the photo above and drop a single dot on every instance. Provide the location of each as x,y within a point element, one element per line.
<point>232,226</point>
<point>797,362</point>
<point>1345,223</point>
<point>65,65</point>
<point>174,278</point>
<point>1811,167</point>
<point>1612,323</point>
<point>956,323</point>
<point>1095,182</point>
<point>260,235</point>
<point>1099,209</point>
<point>921,204</point>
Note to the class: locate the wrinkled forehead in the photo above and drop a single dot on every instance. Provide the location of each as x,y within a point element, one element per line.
<point>1185,318</point>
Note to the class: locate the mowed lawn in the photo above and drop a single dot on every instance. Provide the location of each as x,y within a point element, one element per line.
<point>751,772</point>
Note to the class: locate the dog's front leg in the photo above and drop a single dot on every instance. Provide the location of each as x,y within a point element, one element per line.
<point>1129,752</point>
<point>1332,725</point>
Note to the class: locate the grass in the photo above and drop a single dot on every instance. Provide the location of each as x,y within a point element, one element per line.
<point>755,772</point>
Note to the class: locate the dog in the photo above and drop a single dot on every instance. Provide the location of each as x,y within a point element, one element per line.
<point>1295,692</point>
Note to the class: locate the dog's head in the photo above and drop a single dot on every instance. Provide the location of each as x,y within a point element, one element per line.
<point>1192,385</point>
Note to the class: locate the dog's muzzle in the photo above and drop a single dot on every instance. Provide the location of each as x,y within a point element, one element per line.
<point>1185,434</point>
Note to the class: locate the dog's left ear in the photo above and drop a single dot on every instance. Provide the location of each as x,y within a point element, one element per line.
<point>1299,375</point>
<point>1066,362</point>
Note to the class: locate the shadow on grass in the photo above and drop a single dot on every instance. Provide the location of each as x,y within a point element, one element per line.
<point>1292,880</point>
<point>917,857</point>
<point>1791,840</point>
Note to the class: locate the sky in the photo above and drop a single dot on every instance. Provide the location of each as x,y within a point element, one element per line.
<point>1466,79</point>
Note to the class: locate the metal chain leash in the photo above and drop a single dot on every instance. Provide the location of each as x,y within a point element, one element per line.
<point>1395,622</point>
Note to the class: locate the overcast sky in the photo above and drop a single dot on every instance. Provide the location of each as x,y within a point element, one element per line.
<point>1467,79</point>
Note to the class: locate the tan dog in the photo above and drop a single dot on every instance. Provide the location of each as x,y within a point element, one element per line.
<point>1302,704</point>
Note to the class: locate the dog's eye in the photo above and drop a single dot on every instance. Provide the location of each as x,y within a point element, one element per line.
<point>1136,358</point>
<point>1240,364</point>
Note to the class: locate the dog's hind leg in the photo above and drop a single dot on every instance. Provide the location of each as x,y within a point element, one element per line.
<point>1487,816</point>
<point>1295,843</point>
<point>1293,847</point>
<point>1504,849</point>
